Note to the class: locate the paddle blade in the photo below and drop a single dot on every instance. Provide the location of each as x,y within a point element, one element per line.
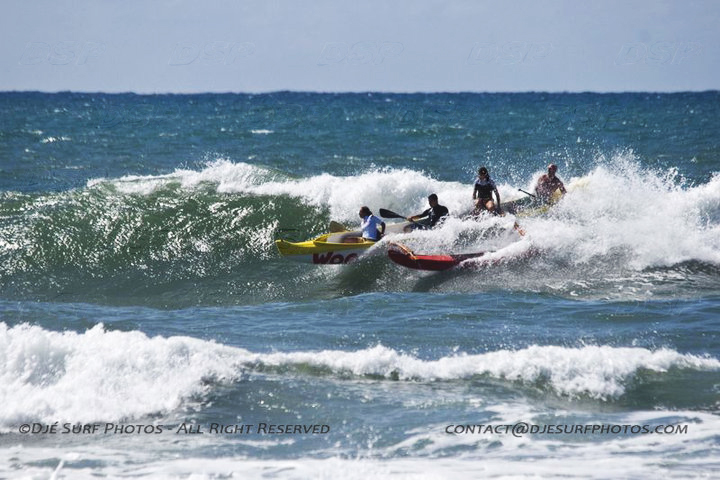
<point>389,214</point>
<point>336,227</point>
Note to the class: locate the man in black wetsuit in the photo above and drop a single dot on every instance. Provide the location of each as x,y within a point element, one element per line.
<point>434,214</point>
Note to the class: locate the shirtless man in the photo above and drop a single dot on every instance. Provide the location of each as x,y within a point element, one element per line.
<point>548,183</point>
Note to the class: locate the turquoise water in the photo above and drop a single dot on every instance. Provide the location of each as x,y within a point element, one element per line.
<point>140,286</point>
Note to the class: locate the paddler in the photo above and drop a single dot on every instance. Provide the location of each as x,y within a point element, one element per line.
<point>547,184</point>
<point>434,214</point>
<point>482,193</point>
<point>372,227</point>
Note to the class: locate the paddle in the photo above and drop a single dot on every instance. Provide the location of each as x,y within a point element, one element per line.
<point>527,193</point>
<point>336,227</point>
<point>389,214</point>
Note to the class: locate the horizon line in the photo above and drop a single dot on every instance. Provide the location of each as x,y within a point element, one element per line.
<point>363,92</point>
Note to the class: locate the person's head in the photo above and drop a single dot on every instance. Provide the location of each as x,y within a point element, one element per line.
<point>432,199</point>
<point>365,212</point>
<point>552,168</point>
<point>483,172</point>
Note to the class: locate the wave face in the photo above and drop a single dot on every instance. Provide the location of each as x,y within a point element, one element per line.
<point>209,233</point>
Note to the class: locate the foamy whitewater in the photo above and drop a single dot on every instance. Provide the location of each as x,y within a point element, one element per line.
<point>149,328</point>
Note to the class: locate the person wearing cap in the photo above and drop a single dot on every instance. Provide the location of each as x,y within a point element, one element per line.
<point>548,183</point>
<point>372,227</point>
<point>434,214</point>
<point>482,193</point>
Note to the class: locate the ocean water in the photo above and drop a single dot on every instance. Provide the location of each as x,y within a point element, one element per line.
<point>150,329</point>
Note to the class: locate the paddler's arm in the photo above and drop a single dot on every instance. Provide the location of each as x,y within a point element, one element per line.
<point>418,216</point>
<point>382,232</point>
<point>497,195</point>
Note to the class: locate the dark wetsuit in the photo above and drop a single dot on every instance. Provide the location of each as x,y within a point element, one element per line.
<point>484,189</point>
<point>434,215</point>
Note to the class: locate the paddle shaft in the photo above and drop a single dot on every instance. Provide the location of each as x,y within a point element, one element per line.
<point>527,193</point>
<point>390,214</point>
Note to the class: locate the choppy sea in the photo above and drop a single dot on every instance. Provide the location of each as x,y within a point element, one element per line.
<point>150,329</point>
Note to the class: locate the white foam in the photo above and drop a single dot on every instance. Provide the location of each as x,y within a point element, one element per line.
<point>646,218</point>
<point>402,190</point>
<point>223,175</point>
<point>597,371</point>
<point>101,375</point>
<point>55,139</point>
<point>104,375</point>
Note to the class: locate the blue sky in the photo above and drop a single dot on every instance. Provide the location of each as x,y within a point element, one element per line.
<point>181,46</point>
